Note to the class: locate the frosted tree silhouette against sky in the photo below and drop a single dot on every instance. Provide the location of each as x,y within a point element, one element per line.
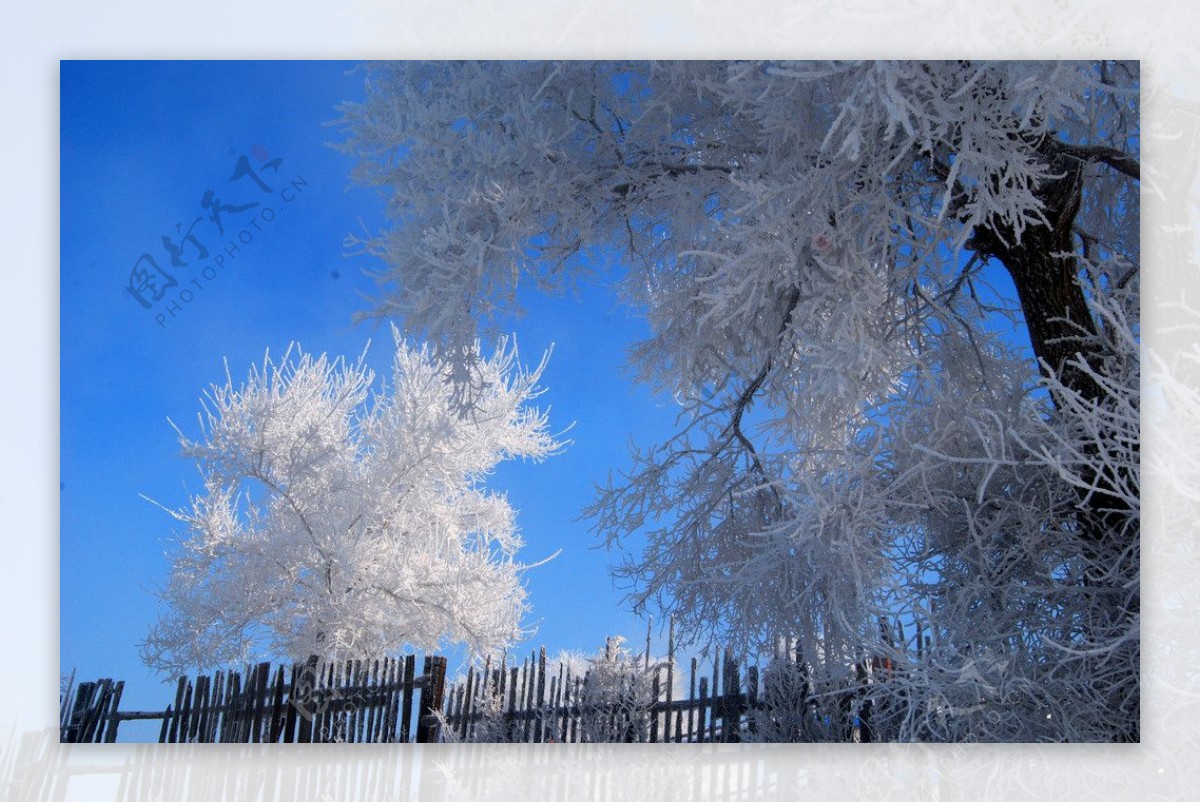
<point>858,438</point>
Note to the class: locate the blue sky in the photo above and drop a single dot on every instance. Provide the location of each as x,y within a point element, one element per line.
<point>141,145</point>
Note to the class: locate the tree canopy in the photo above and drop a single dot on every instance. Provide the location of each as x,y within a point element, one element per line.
<point>897,305</point>
<point>341,522</point>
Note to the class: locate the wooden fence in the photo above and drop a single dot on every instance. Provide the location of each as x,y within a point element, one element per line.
<point>528,704</point>
<point>347,701</point>
<point>735,701</point>
<point>387,701</point>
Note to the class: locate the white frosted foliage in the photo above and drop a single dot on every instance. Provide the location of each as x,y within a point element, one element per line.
<point>843,266</point>
<point>348,521</point>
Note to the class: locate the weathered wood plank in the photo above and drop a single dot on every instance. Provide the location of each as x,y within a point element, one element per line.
<point>173,733</point>
<point>406,724</point>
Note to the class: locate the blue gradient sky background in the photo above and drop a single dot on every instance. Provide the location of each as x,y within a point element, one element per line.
<point>141,142</point>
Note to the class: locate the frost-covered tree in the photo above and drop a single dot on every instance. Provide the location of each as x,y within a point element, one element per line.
<point>897,305</point>
<point>617,696</point>
<point>607,697</point>
<point>342,520</point>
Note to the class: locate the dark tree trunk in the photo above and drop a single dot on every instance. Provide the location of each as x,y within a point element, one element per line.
<point>1042,266</point>
<point>1044,270</point>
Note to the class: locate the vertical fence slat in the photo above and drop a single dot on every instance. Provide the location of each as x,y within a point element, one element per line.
<point>262,688</point>
<point>165,730</point>
<point>655,691</point>
<point>731,683</point>
<point>394,701</point>
<point>70,731</point>
<point>485,698</point>
<point>357,701</point>
<point>361,684</point>
<point>187,714</point>
<point>752,703</point>
<point>325,705</point>
<point>278,710</point>
<point>679,726</point>
<point>391,672</point>
<point>311,723</point>
<point>224,733</point>
<point>553,704</point>
<point>110,732</point>
<point>370,700</point>
<point>64,707</point>
<point>233,699</point>
<point>670,677</point>
<point>239,691</point>
<point>526,697</point>
<point>410,668</point>
<point>559,704</point>
<point>217,703</point>
<point>379,711</point>
<point>173,733</point>
<point>344,706</point>
<point>94,731</point>
<point>465,707</point>
<point>87,725</point>
<point>200,710</point>
<point>304,680</point>
<point>329,703</point>
<point>714,689</point>
<point>569,703</point>
<point>345,718</point>
<point>207,703</point>
<point>362,671</point>
<point>691,723</point>
<point>386,714</point>
<point>431,699</point>
<point>540,735</point>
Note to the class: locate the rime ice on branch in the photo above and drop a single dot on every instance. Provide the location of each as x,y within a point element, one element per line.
<point>345,523</point>
<point>844,266</point>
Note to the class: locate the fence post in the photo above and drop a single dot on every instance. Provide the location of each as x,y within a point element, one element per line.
<point>302,698</point>
<point>409,683</point>
<point>691,712</point>
<point>731,726</point>
<point>89,713</point>
<point>114,717</point>
<point>166,725</point>
<point>180,713</point>
<point>718,708</point>
<point>751,699</point>
<point>510,719</point>
<point>70,729</point>
<point>539,735</point>
<point>655,691</point>
<point>670,678</point>
<point>64,706</point>
<point>431,699</point>
<point>527,690</point>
